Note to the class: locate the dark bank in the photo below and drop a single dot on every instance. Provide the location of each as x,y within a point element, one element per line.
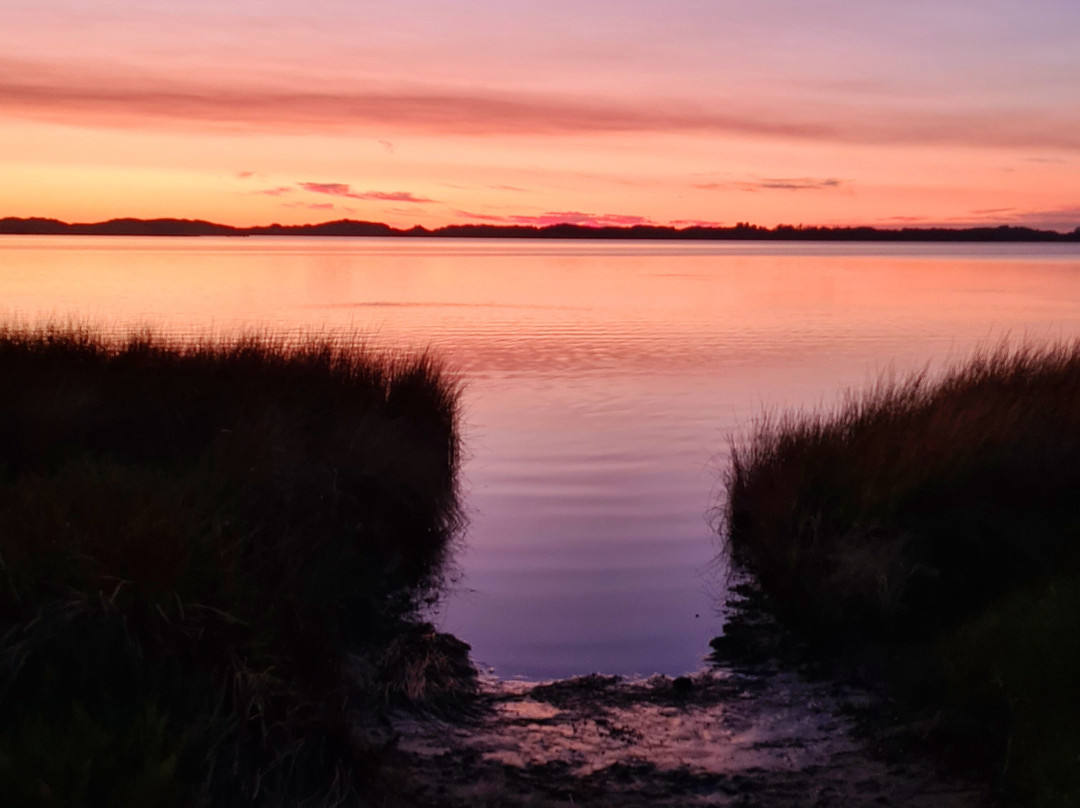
<point>933,525</point>
<point>212,558</point>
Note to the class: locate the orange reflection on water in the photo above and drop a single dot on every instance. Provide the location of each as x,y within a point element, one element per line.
<point>602,382</point>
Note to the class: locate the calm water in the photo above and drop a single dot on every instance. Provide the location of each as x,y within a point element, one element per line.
<point>603,380</point>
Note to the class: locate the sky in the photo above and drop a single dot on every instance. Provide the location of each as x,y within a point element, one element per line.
<point>674,112</point>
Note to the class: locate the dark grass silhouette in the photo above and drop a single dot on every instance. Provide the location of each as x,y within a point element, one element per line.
<point>209,555</point>
<point>943,516</point>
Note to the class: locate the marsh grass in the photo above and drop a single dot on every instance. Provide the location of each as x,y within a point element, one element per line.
<point>944,514</point>
<point>197,542</point>
<point>917,503</point>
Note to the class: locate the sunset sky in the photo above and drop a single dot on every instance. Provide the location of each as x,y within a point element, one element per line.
<point>887,112</point>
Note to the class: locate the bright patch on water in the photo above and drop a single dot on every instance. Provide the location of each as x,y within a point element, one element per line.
<point>602,382</point>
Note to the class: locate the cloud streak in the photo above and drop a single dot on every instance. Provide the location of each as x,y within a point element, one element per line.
<point>564,217</point>
<point>774,184</point>
<point>1063,219</point>
<point>88,97</point>
<point>309,205</point>
<point>344,190</point>
<point>281,190</point>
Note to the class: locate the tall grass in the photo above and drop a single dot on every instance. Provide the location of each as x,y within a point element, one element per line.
<point>197,541</point>
<point>918,502</point>
<point>935,511</point>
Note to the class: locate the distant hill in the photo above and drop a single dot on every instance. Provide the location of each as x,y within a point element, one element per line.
<point>351,227</point>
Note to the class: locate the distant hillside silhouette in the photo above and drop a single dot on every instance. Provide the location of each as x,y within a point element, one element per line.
<point>350,227</point>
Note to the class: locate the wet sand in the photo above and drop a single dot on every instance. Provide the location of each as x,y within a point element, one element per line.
<point>755,734</point>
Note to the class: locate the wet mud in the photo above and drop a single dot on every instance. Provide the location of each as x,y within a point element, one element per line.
<point>737,734</point>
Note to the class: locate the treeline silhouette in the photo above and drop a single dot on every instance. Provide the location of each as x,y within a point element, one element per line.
<point>742,231</point>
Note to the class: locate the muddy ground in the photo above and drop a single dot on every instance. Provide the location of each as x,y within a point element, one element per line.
<point>752,729</point>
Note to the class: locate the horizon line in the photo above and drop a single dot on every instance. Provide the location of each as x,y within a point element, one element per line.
<point>178,226</point>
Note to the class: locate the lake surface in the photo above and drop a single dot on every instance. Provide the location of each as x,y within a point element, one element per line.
<point>603,380</point>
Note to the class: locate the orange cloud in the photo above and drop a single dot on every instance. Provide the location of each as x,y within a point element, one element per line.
<point>775,184</point>
<point>86,96</point>
<point>565,217</point>
<point>695,223</point>
<point>342,189</point>
<point>309,205</point>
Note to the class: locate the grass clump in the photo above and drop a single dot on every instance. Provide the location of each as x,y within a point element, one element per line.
<point>199,544</point>
<point>942,514</point>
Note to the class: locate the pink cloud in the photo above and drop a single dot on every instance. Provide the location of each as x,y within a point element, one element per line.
<point>279,191</point>
<point>342,189</point>
<point>309,205</point>
<point>483,217</point>
<point>1063,220</point>
<point>775,184</point>
<point>122,97</point>
<point>583,219</point>
<point>564,217</point>
<point>694,223</point>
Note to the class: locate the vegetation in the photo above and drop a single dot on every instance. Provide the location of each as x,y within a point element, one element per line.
<point>942,517</point>
<point>209,556</point>
<point>742,231</point>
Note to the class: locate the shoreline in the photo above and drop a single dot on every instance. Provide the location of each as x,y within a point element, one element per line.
<point>353,228</point>
<point>754,728</point>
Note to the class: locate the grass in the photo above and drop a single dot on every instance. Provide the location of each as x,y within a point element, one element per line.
<point>942,514</point>
<point>201,544</point>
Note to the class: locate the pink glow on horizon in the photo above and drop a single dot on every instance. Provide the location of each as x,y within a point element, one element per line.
<point>769,112</point>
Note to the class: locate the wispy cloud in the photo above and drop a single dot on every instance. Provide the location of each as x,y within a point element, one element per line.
<point>343,189</point>
<point>695,223</point>
<point>309,205</point>
<point>564,217</point>
<point>89,96</point>
<point>584,219</point>
<point>774,184</point>
<point>281,190</point>
<point>1063,219</point>
<point>481,217</point>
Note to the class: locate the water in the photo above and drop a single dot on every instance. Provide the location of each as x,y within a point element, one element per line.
<point>602,382</point>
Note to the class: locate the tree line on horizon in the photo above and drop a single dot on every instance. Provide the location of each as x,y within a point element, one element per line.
<point>351,227</point>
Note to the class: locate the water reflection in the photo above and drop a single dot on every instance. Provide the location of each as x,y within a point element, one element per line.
<point>602,381</point>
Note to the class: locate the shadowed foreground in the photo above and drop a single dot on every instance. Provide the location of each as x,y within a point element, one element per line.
<point>211,555</point>
<point>746,735</point>
<point>938,524</point>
